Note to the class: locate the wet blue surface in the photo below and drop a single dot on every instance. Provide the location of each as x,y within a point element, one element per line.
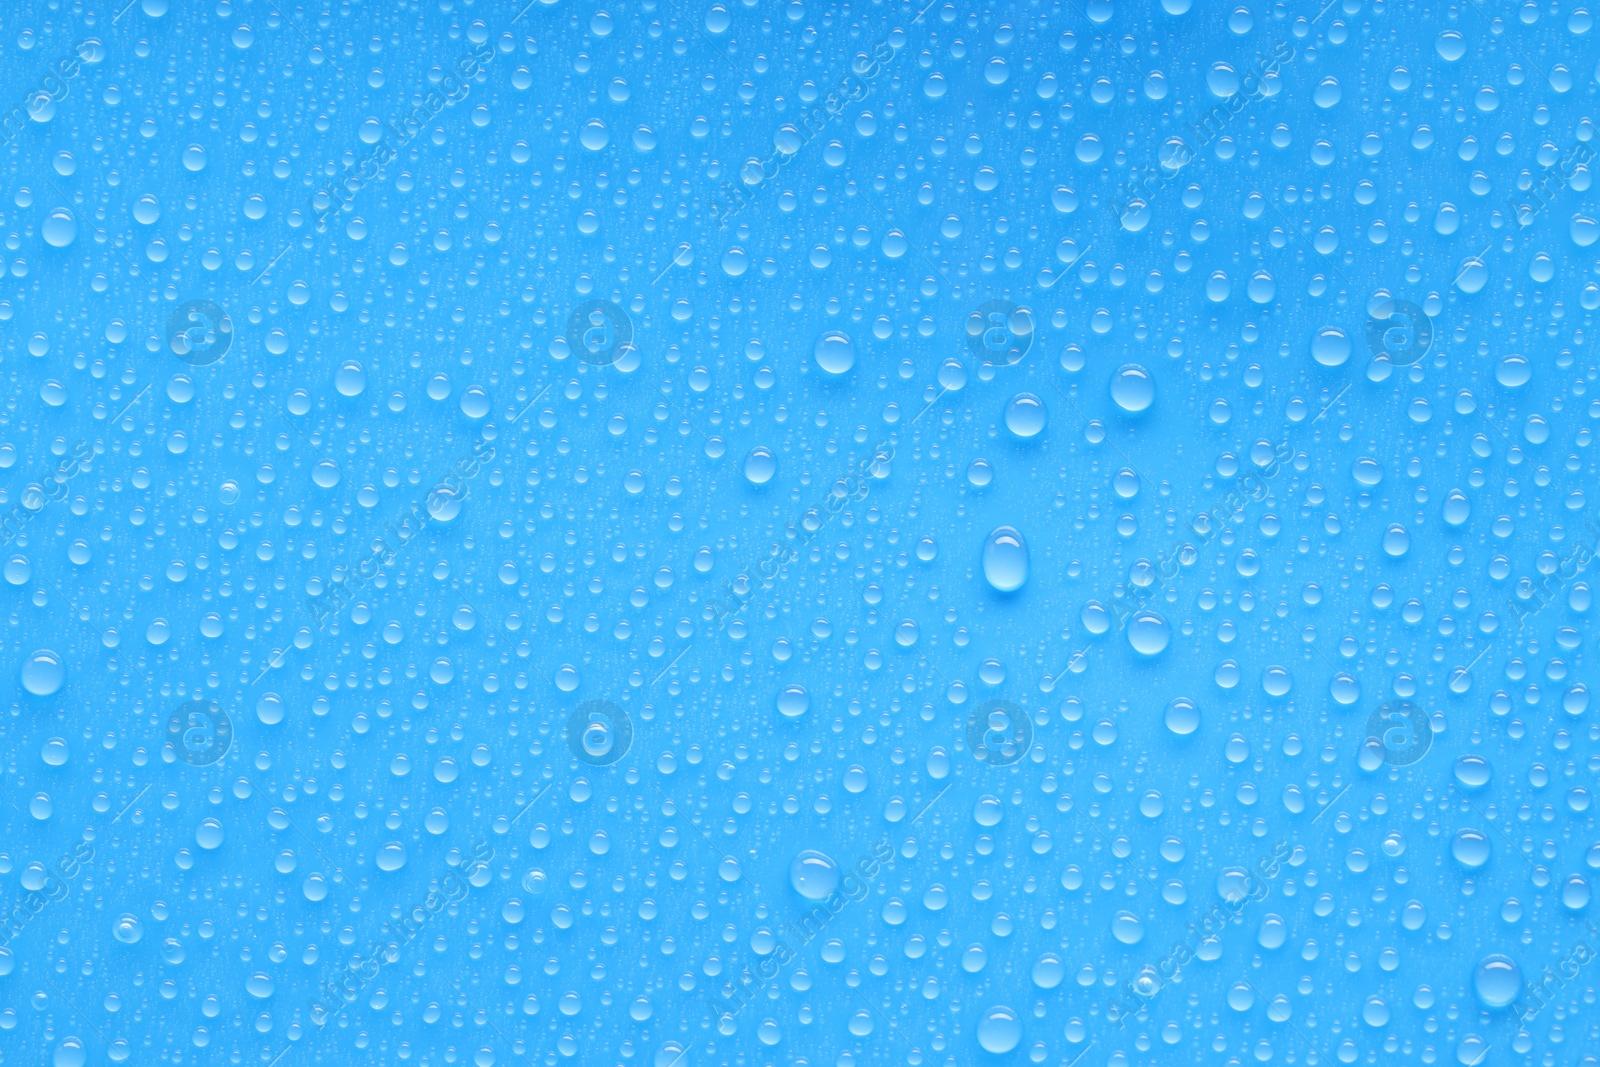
<point>773,533</point>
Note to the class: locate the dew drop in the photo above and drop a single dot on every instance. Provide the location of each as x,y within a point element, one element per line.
<point>1133,388</point>
<point>814,875</point>
<point>1025,416</point>
<point>60,227</point>
<point>1330,347</point>
<point>1182,717</point>
<point>127,929</point>
<point>1005,560</point>
<point>999,1029</point>
<point>1497,980</point>
<point>1473,771</point>
<point>1149,633</point>
<point>43,673</point>
<point>794,701</point>
<point>350,379</point>
<point>835,352</point>
<point>269,709</point>
<point>760,465</point>
<point>1470,848</point>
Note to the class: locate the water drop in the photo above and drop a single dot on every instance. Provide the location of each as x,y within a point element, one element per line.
<point>594,135</point>
<point>814,875</point>
<point>1149,633</point>
<point>1330,347</point>
<point>794,701</point>
<point>70,1053</point>
<point>474,402</point>
<point>1025,416</point>
<point>1470,848</point>
<point>1127,928</point>
<point>208,835</point>
<point>350,379</point>
<point>760,465</point>
<point>1182,716</point>
<point>999,1029</point>
<point>269,709</point>
<point>1396,541</point>
<point>43,673</point>
<point>1497,980</point>
<point>1473,771</point>
<point>835,352</point>
<point>1005,560</point>
<point>1132,388</point>
<point>60,227</point>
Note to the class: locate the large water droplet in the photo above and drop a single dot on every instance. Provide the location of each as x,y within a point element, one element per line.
<point>1048,971</point>
<point>1470,848</point>
<point>1149,633</point>
<point>1497,980</point>
<point>1330,347</point>
<point>1133,388</point>
<point>1005,560</point>
<point>594,135</point>
<point>760,465</point>
<point>43,673</point>
<point>835,352</point>
<point>208,835</point>
<point>269,709</point>
<point>70,1053</point>
<point>1396,541</point>
<point>1472,276</point>
<point>54,752</point>
<point>1127,928</point>
<point>1182,717</point>
<point>1000,1029</point>
<point>814,875</point>
<point>794,701</point>
<point>127,929</point>
<point>1025,416</point>
<point>350,379</point>
<point>1473,771</point>
<point>60,227</point>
